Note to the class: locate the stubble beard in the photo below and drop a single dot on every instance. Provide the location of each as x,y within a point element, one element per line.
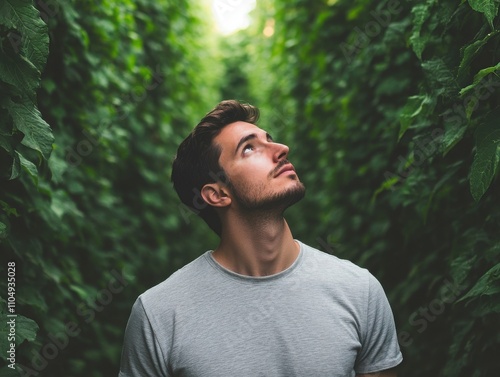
<point>276,203</point>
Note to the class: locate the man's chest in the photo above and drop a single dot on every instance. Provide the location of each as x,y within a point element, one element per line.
<point>266,338</point>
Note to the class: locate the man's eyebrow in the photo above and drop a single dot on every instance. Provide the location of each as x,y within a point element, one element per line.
<point>244,139</point>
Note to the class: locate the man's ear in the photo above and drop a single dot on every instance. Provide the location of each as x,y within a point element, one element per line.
<point>215,194</point>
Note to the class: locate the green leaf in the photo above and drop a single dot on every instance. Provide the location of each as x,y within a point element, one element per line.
<point>37,133</point>
<point>487,285</point>
<point>26,329</point>
<point>468,54</point>
<point>415,107</point>
<point>441,77</point>
<point>19,73</point>
<point>448,176</point>
<point>420,14</point>
<point>16,167</point>
<point>479,77</point>
<point>29,167</point>
<point>24,17</point>
<point>488,7</point>
<point>487,155</point>
<point>4,231</point>
<point>8,210</point>
<point>486,305</point>
<point>391,181</point>
<point>461,267</point>
<point>452,136</point>
<point>81,292</point>
<point>5,145</point>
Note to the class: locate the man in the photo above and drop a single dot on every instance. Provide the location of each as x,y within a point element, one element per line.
<point>261,303</point>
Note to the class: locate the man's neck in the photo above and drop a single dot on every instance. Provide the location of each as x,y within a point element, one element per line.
<point>256,245</point>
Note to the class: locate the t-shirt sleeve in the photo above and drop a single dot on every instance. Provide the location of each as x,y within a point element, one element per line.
<point>380,348</point>
<point>142,355</point>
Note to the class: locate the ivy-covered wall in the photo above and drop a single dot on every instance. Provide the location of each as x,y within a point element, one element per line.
<point>391,112</point>
<point>390,109</point>
<point>95,98</point>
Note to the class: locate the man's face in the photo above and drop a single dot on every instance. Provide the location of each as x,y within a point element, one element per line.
<point>259,174</point>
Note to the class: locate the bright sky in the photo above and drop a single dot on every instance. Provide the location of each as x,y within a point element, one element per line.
<point>232,15</point>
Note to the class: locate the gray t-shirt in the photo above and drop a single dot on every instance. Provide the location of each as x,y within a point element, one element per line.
<point>322,317</point>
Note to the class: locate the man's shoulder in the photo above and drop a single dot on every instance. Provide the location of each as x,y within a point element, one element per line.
<point>330,263</point>
<point>177,285</point>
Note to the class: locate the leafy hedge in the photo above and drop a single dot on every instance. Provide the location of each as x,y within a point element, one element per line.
<point>391,110</point>
<point>88,213</point>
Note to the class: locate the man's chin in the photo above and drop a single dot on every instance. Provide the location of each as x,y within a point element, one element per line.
<point>277,202</point>
<point>280,202</point>
<point>295,194</point>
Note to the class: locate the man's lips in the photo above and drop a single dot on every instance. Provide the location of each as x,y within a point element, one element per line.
<point>284,169</point>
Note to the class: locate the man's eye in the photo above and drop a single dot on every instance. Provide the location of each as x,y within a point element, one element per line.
<point>247,148</point>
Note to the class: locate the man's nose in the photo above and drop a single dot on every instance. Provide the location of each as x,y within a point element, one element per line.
<point>280,152</point>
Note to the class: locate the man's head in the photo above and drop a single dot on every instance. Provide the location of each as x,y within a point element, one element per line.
<point>227,161</point>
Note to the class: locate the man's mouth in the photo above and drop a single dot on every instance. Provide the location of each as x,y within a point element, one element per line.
<point>287,167</point>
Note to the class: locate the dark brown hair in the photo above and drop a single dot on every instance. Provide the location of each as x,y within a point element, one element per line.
<point>197,159</point>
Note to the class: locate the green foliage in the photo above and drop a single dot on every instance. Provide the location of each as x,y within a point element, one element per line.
<point>392,119</point>
<point>390,109</point>
<point>87,210</point>
<point>488,7</point>
<point>486,285</point>
<point>23,54</point>
<point>485,164</point>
